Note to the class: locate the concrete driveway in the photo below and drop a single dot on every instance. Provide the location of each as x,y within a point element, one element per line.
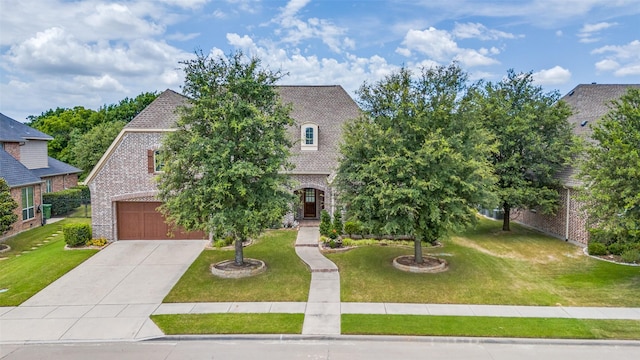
<point>108,297</point>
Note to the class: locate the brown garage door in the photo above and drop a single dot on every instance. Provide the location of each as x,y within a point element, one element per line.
<point>141,221</point>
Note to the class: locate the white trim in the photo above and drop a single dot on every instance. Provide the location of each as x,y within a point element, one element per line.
<point>303,136</point>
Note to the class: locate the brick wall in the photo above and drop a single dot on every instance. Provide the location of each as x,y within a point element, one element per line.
<point>62,182</point>
<point>20,225</point>
<point>556,225</point>
<point>12,149</point>
<point>124,176</point>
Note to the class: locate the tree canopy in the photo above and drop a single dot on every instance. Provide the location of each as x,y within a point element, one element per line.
<point>610,171</point>
<point>534,141</point>
<point>416,163</point>
<point>223,164</point>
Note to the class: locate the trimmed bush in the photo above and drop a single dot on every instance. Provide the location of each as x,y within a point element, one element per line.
<point>631,256</point>
<point>337,221</point>
<point>353,228</point>
<point>325,223</point>
<point>99,242</point>
<point>76,234</point>
<point>63,202</point>
<point>617,248</point>
<point>596,248</point>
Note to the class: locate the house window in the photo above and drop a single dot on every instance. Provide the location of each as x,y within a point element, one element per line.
<point>48,186</point>
<point>309,195</point>
<point>28,210</point>
<point>309,137</point>
<point>158,161</point>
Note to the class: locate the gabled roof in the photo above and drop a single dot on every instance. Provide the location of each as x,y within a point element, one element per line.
<point>326,106</point>
<point>14,131</point>
<point>161,113</point>
<point>56,167</point>
<point>589,102</point>
<point>14,172</point>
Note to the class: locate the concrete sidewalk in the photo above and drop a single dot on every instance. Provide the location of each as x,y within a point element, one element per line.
<point>322,312</point>
<point>602,313</point>
<point>108,297</point>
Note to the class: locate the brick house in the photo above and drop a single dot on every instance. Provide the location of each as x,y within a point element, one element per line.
<point>29,171</point>
<point>123,190</point>
<point>589,103</point>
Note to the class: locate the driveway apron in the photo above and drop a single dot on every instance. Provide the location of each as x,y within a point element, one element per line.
<point>108,297</point>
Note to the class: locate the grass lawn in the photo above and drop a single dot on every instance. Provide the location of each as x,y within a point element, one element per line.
<point>286,279</point>
<point>229,323</point>
<point>488,266</point>
<point>37,258</point>
<point>490,327</point>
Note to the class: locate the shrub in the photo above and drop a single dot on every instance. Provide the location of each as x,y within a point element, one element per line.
<point>99,242</point>
<point>631,256</point>
<point>76,234</point>
<point>325,223</point>
<point>333,234</point>
<point>596,248</point>
<point>337,221</point>
<point>617,248</point>
<point>353,227</point>
<point>226,241</point>
<point>63,202</point>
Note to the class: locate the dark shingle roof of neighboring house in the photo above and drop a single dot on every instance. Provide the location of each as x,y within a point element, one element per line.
<point>326,106</point>
<point>14,172</point>
<point>15,131</point>
<point>589,103</point>
<point>56,167</point>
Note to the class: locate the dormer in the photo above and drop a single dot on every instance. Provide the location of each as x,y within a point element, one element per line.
<point>309,137</point>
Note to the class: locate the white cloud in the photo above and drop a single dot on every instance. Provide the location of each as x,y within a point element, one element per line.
<point>588,33</point>
<point>622,60</point>
<point>439,45</point>
<point>479,31</point>
<point>554,76</point>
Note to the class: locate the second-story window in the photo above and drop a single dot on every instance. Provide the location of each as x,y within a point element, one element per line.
<point>158,161</point>
<point>309,137</point>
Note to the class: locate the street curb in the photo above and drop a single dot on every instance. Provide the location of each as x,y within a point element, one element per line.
<point>389,338</point>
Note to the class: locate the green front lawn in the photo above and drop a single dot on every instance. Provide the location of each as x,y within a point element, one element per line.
<point>286,279</point>
<point>482,326</point>
<point>189,324</point>
<point>489,266</point>
<point>37,258</point>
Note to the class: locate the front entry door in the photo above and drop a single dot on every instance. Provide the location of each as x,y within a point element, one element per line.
<point>309,203</point>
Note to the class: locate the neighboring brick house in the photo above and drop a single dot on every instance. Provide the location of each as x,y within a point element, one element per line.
<point>589,103</point>
<point>29,171</point>
<point>123,190</point>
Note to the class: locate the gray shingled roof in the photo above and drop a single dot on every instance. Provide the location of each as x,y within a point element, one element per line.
<point>326,106</point>
<point>589,102</point>
<point>161,113</point>
<point>14,131</point>
<point>14,172</point>
<point>56,167</point>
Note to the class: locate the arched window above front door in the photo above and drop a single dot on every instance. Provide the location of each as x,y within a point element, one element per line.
<point>309,137</point>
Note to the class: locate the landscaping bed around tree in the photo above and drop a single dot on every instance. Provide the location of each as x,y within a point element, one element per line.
<point>491,266</point>
<point>286,279</point>
<point>36,259</point>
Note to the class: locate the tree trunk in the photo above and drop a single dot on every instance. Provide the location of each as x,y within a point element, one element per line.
<point>417,245</point>
<point>506,216</point>
<point>239,258</point>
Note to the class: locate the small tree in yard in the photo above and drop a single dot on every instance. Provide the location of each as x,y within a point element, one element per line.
<point>223,164</point>
<point>534,142</point>
<point>611,172</point>
<point>416,163</point>
<point>7,207</point>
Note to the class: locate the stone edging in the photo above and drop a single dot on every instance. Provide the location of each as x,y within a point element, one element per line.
<point>8,248</point>
<point>443,266</point>
<point>586,252</point>
<point>238,273</point>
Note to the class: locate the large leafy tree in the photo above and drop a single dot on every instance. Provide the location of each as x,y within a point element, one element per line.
<point>7,208</point>
<point>611,170</point>
<point>534,142</point>
<point>416,162</point>
<point>223,164</point>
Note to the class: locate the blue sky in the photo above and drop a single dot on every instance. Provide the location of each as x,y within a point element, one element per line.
<point>89,53</point>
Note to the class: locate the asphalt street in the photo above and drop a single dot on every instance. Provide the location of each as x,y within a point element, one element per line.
<point>347,348</point>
